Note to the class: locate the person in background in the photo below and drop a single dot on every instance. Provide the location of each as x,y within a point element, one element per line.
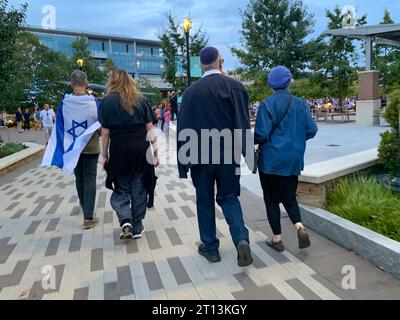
<point>127,122</point>
<point>47,119</point>
<point>163,109</point>
<point>284,124</point>
<point>157,111</point>
<point>37,118</point>
<point>167,119</point>
<point>18,119</point>
<point>4,118</point>
<point>27,119</point>
<point>174,106</point>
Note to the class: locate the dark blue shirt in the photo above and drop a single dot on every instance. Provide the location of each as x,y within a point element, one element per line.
<point>282,152</point>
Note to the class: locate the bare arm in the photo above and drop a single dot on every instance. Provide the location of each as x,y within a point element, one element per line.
<point>105,137</point>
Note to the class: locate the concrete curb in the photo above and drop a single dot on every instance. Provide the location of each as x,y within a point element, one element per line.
<point>17,160</point>
<point>380,250</point>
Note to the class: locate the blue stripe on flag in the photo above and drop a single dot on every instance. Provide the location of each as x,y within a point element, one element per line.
<point>58,157</point>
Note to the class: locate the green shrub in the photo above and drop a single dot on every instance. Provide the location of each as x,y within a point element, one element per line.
<point>10,148</point>
<point>388,151</point>
<point>363,200</point>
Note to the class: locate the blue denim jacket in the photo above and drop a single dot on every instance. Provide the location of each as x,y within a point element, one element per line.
<point>282,153</point>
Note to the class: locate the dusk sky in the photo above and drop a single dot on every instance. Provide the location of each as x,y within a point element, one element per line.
<point>219,18</point>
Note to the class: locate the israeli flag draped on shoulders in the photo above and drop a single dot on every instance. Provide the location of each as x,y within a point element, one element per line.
<point>76,122</point>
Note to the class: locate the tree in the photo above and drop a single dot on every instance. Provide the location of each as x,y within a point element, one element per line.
<point>174,47</point>
<point>274,33</point>
<point>81,51</point>
<point>334,58</point>
<point>109,66</point>
<point>11,23</point>
<point>386,59</point>
<point>152,94</point>
<point>37,80</point>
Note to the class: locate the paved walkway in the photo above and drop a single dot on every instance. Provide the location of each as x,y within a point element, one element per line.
<point>41,224</point>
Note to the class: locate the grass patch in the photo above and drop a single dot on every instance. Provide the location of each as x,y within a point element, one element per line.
<point>10,148</point>
<point>363,200</point>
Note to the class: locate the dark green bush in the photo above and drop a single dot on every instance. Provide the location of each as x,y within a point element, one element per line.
<point>389,146</point>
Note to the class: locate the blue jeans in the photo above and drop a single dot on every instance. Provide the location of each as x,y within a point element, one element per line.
<point>129,199</point>
<point>228,190</point>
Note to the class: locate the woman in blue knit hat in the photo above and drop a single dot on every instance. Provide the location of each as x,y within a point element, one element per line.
<point>284,124</point>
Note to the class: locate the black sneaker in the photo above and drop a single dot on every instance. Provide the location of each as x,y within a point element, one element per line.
<point>126,232</point>
<point>138,231</point>
<point>244,254</point>
<point>304,239</point>
<point>212,256</point>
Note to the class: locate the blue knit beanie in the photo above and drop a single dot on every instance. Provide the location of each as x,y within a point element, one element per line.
<point>279,78</point>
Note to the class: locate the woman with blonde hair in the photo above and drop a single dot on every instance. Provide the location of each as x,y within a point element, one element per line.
<point>128,129</point>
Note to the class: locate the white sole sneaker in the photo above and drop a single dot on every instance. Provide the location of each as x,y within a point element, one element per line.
<point>139,235</point>
<point>126,232</point>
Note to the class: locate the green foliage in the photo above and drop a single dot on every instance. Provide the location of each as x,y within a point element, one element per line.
<point>10,148</point>
<point>334,58</point>
<point>153,95</point>
<point>109,67</point>
<point>364,201</point>
<point>389,148</point>
<point>274,33</point>
<point>81,51</point>
<point>307,89</point>
<point>40,70</point>
<point>173,46</point>
<point>11,23</point>
<point>392,110</point>
<point>387,151</point>
<point>386,59</point>
<point>259,89</point>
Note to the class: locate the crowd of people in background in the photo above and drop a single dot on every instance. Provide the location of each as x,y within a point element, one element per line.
<point>327,103</point>
<point>331,104</point>
<point>36,119</point>
<point>167,111</point>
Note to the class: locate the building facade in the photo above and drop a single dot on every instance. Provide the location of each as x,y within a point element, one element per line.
<point>140,58</point>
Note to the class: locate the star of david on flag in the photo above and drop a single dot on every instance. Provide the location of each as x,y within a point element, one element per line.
<point>67,142</point>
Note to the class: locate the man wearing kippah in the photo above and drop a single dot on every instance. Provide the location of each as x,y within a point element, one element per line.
<point>284,124</point>
<point>215,106</point>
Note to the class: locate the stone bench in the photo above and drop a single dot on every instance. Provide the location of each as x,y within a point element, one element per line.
<point>316,179</point>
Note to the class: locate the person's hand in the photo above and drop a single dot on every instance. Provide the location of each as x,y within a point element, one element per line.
<point>156,159</point>
<point>105,161</point>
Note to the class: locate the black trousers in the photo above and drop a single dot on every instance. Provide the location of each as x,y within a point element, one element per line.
<point>280,189</point>
<point>86,175</point>
<point>26,125</point>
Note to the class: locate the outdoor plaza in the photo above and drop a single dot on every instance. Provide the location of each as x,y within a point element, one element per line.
<point>41,225</point>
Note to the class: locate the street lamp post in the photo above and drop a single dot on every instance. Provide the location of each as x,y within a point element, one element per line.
<point>79,62</point>
<point>187,24</point>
